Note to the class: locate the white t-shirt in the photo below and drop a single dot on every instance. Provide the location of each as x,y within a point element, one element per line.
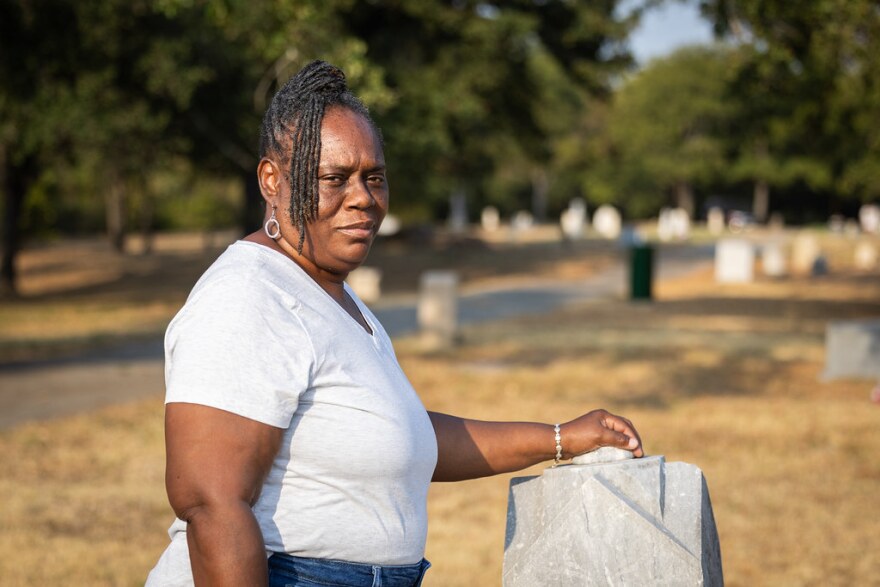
<point>259,338</point>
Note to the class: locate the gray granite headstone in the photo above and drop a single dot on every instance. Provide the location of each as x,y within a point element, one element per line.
<point>603,521</point>
<point>438,308</point>
<point>458,216</point>
<point>820,266</point>
<point>852,349</point>
<point>366,283</point>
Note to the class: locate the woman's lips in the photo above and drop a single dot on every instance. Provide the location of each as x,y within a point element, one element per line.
<point>359,230</point>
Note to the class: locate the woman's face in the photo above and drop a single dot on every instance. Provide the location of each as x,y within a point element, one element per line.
<point>352,198</point>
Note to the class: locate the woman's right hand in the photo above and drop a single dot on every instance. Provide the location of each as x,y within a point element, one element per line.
<point>597,429</point>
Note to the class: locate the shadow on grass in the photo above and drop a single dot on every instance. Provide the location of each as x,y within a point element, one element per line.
<point>654,355</point>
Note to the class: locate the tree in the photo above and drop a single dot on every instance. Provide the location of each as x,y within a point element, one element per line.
<point>35,58</point>
<point>667,127</point>
<point>112,91</point>
<point>467,78</point>
<point>808,85</point>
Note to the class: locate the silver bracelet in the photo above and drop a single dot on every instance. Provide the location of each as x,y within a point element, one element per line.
<point>558,439</point>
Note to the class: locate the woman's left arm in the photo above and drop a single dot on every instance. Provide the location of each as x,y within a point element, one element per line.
<point>468,449</point>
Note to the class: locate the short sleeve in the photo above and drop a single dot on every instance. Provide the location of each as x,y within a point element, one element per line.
<point>239,346</point>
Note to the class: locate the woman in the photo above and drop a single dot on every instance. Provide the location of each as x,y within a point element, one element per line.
<point>291,431</point>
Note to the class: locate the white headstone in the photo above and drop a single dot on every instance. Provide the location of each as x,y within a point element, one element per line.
<point>734,261</point>
<point>836,223</point>
<point>522,221</point>
<point>625,522</point>
<point>390,226</point>
<point>490,219</point>
<point>573,219</point>
<point>869,217</point>
<point>681,224</point>
<point>438,308</point>
<point>804,252</point>
<point>366,283</point>
<point>715,221</point>
<point>606,221</point>
<point>851,228</point>
<point>664,225</point>
<point>773,261</point>
<point>865,258</point>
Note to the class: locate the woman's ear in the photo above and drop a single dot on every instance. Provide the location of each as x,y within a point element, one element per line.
<point>269,177</point>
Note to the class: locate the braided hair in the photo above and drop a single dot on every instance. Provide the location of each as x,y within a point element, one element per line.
<point>291,131</point>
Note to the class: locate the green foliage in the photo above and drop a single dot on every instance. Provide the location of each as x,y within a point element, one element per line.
<point>666,130</point>
<point>807,85</point>
<point>483,91</point>
<point>185,201</point>
<point>149,102</point>
<point>108,96</point>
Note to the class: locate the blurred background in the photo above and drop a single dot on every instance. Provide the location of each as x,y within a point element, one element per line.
<point>137,117</point>
<point>656,206</point>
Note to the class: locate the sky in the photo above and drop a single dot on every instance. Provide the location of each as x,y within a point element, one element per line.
<point>665,29</point>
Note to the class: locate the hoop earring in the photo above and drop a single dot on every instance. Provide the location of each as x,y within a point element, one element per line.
<point>275,231</point>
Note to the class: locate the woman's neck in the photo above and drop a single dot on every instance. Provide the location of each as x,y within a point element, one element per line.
<point>332,283</point>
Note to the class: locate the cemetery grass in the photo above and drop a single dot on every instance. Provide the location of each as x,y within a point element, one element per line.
<point>725,377</point>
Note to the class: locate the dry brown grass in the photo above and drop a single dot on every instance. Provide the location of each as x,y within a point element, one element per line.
<point>726,378</point>
<point>83,498</point>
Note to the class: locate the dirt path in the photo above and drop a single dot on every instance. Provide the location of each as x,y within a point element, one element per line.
<point>52,388</point>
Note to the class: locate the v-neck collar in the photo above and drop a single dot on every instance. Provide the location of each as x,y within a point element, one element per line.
<point>346,288</point>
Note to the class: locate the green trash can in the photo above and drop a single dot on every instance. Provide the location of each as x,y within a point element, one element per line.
<point>641,271</point>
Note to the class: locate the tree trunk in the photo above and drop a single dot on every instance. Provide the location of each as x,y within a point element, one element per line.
<point>761,201</point>
<point>15,180</point>
<point>146,222</point>
<point>684,197</point>
<point>540,191</point>
<point>115,213</point>
<point>761,195</point>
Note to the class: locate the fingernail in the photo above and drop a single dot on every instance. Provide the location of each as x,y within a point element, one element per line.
<point>633,443</point>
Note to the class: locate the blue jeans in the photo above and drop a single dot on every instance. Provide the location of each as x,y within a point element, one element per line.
<point>296,571</point>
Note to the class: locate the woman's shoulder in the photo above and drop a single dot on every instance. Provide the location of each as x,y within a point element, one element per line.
<point>251,270</point>
<point>241,284</point>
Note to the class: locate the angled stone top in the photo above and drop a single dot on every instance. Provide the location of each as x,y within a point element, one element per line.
<point>604,454</point>
<point>610,519</point>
